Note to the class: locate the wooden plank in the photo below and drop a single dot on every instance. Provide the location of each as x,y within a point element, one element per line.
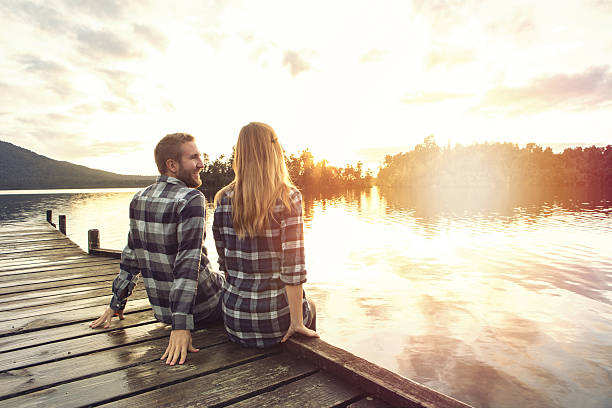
<point>16,305</point>
<point>108,279</point>
<point>26,312</point>
<point>42,256</point>
<point>101,340</point>
<point>317,391</point>
<point>67,266</point>
<point>137,379</point>
<point>58,280</point>
<point>63,263</point>
<point>71,331</point>
<point>56,284</point>
<point>379,382</point>
<point>227,386</point>
<point>23,241</point>
<point>29,324</point>
<point>67,273</point>
<point>21,381</point>
<point>40,294</point>
<point>369,402</point>
<point>37,249</point>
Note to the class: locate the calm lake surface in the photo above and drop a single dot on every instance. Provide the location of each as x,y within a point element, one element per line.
<point>494,299</point>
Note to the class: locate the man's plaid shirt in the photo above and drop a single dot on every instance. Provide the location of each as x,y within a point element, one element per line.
<point>166,245</point>
<point>255,308</point>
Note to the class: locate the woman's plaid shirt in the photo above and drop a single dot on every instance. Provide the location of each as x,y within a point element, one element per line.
<point>255,308</point>
<point>166,245</point>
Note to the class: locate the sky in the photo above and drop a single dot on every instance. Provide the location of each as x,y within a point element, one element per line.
<point>99,82</point>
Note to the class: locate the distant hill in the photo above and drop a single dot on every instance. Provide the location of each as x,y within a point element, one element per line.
<point>21,169</point>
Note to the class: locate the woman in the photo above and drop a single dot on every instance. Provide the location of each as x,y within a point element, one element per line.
<point>259,235</point>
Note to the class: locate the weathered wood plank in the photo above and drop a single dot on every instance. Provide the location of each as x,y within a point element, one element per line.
<point>63,263</point>
<point>71,331</point>
<point>369,402</point>
<point>41,256</point>
<point>102,340</point>
<point>233,384</point>
<point>66,266</point>
<point>107,279</point>
<point>44,276</point>
<point>21,381</point>
<point>375,380</point>
<point>41,302</point>
<point>137,379</point>
<point>27,312</point>
<point>38,249</point>
<point>317,391</point>
<point>64,317</point>
<point>52,292</point>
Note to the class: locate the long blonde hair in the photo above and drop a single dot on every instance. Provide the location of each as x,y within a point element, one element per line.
<point>261,179</point>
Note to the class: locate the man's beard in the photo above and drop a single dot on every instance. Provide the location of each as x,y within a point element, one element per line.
<point>187,178</point>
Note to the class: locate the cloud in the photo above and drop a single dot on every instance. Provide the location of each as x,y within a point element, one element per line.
<point>97,43</point>
<point>591,89</point>
<point>118,83</point>
<point>373,55</point>
<point>295,63</point>
<point>155,37</point>
<point>98,8</point>
<point>432,97</point>
<point>520,26</point>
<point>45,18</point>
<point>445,14</point>
<point>449,58</point>
<point>39,66</point>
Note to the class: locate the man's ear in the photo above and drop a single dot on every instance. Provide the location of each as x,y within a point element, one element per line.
<point>172,165</point>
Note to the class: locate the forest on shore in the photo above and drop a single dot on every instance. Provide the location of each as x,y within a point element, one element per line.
<point>497,165</point>
<point>490,165</point>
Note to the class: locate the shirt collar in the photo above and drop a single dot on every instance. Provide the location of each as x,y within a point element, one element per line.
<point>171,180</point>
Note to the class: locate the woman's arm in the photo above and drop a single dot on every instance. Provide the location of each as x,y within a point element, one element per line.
<point>294,298</point>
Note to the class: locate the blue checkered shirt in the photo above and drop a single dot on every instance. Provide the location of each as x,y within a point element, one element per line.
<point>166,246</point>
<point>255,308</point>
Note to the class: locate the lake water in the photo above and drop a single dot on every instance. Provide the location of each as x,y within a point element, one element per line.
<point>494,299</point>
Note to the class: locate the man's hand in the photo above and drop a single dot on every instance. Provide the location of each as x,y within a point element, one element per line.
<point>301,329</point>
<point>178,346</point>
<point>106,318</point>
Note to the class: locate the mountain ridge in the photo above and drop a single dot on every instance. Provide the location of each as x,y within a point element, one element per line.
<point>23,169</point>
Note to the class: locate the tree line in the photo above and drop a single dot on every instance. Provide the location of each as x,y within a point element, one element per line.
<point>497,165</point>
<point>306,173</point>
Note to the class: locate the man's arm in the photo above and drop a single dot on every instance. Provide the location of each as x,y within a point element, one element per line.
<point>190,237</point>
<point>123,285</point>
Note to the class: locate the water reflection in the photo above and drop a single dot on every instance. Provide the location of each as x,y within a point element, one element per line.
<point>497,298</point>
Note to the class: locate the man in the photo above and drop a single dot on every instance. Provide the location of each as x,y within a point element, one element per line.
<point>166,245</point>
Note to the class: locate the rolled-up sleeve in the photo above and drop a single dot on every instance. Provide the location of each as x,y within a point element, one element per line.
<point>124,283</point>
<point>293,267</point>
<point>219,244</point>
<point>190,237</point>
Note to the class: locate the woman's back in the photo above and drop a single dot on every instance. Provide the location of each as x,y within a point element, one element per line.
<point>255,306</point>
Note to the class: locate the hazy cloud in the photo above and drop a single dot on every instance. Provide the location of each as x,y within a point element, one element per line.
<point>155,37</point>
<point>520,26</point>
<point>97,8</point>
<point>44,17</point>
<point>118,83</point>
<point>295,63</point>
<point>591,89</point>
<point>449,58</point>
<point>373,55</point>
<point>96,43</point>
<point>432,97</point>
<point>444,14</point>
<point>37,65</point>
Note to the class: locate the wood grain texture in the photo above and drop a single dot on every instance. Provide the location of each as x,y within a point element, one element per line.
<point>137,379</point>
<point>319,390</point>
<point>379,382</point>
<point>21,381</point>
<point>64,317</point>
<point>230,385</point>
<point>70,331</point>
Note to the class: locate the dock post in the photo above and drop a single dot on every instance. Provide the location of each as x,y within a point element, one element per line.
<point>50,216</point>
<point>62,224</point>
<point>93,239</point>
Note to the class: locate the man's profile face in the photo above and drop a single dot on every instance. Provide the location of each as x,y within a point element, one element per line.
<point>190,165</point>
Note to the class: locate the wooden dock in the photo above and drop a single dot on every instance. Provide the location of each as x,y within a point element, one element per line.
<point>50,290</point>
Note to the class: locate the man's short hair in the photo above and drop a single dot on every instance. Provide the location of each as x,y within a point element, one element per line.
<point>170,148</point>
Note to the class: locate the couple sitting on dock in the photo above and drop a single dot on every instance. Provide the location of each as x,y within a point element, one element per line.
<point>258,232</point>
